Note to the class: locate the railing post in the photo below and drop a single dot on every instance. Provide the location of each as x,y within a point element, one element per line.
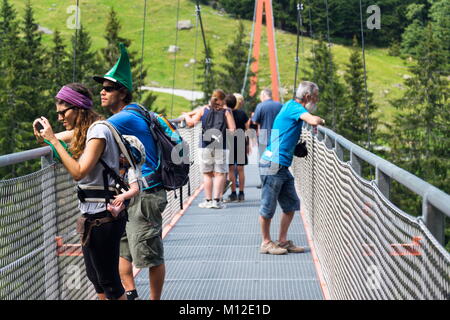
<point>434,220</point>
<point>383,182</point>
<point>339,150</point>
<point>355,163</point>
<point>328,142</point>
<point>49,226</point>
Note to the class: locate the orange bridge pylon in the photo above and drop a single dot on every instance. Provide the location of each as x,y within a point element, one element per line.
<point>260,6</point>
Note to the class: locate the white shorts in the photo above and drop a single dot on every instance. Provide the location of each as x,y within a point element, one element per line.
<point>213,160</point>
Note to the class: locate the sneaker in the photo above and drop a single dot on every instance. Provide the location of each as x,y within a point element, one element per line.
<point>217,205</point>
<point>272,248</point>
<point>205,204</point>
<point>241,197</point>
<point>290,247</point>
<point>232,198</point>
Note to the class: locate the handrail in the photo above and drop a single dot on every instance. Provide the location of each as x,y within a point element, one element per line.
<point>435,202</point>
<point>14,158</point>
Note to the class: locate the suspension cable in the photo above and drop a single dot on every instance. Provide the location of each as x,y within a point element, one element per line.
<point>311,34</point>
<point>142,50</point>
<point>74,74</point>
<point>249,56</point>
<point>195,57</point>
<point>331,67</point>
<point>299,8</point>
<point>175,60</point>
<point>207,56</point>
<point>365,76</point>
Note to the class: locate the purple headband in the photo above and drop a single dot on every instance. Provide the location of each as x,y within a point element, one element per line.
<point>74,98</point>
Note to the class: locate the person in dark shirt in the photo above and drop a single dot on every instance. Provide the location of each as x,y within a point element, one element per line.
<point>264,116</point>
<point>238,151</point>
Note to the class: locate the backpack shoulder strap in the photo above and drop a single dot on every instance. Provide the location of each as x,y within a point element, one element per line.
<point>119,140</point>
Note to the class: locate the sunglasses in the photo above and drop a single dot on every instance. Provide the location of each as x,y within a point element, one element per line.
<point>110,88</point>
<point>63,113</point>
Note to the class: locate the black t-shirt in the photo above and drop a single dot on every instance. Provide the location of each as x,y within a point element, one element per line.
<point>240,118</point>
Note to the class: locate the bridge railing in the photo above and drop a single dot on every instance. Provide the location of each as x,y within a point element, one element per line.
<point>40,257</point>
<point>368,248</point>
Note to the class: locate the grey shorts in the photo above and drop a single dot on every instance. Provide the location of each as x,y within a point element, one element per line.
<point>142,240</point>
<point>214,160</point>
<point>277,186</point>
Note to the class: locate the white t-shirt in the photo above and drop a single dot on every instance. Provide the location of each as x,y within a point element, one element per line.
<point>95,177</point>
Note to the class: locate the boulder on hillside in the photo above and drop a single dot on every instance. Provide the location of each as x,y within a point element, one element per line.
<point>44,30</point>
<point>184,25</point>
<point>173,49</point>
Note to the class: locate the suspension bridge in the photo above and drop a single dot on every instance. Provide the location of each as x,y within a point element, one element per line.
<point>360,244</point>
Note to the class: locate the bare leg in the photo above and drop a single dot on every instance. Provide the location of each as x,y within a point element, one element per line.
<point>286,219</point>
<point>208,181</point>
<point>219,184</point>
<point>241,178</point>
<point>126,274</point>
<point>157,275</point>
<point>265,229</point>
<point>232,178</point>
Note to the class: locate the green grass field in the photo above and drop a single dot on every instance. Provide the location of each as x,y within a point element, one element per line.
<point>385,72</point>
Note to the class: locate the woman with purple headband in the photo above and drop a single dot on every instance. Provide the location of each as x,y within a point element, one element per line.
<point>89,145</point>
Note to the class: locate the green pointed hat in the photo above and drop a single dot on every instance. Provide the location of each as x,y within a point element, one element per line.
<point>121,72</point>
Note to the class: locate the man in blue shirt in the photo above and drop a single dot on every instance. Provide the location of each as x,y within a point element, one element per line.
<point>264,116</point>
<point>142,243</point>
<point>277,181</point>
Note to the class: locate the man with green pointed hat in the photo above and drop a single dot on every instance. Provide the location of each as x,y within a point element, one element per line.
<point>142,241</point>
<point>121,72</point>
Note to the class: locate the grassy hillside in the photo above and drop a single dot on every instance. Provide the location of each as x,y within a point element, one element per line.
<point>385,72</point>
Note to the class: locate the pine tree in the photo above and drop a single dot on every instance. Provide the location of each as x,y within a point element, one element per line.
<point>331,91</point>
<point>59,72</point>
<point>357,119</point>
<point>420,138</point>
<point>18,106</point>
<point>206,67</point>
<point>32,90</point>
<point>32,76</point>
<point>9,66</point>
<point>236,55</point>
<point>85,64</point>
<point>111,53</point>
<point>59,68</point>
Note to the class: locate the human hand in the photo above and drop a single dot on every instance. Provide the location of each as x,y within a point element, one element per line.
<point>37,127</point>
<point>119,200</point>
<point>46,132</point>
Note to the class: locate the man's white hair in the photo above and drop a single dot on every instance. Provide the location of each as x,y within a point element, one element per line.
<point>306,87</point>
<point>267,92</point>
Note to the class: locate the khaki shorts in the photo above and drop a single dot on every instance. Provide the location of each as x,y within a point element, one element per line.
<point>142,240</point>
<point>214,160</point>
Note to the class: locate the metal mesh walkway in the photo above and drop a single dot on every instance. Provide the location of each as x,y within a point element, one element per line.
<point>214,255</point>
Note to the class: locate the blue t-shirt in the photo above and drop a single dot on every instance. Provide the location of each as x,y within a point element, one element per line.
<point>129,123</point>
<point>265,114</point>
<point>286,131</point>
